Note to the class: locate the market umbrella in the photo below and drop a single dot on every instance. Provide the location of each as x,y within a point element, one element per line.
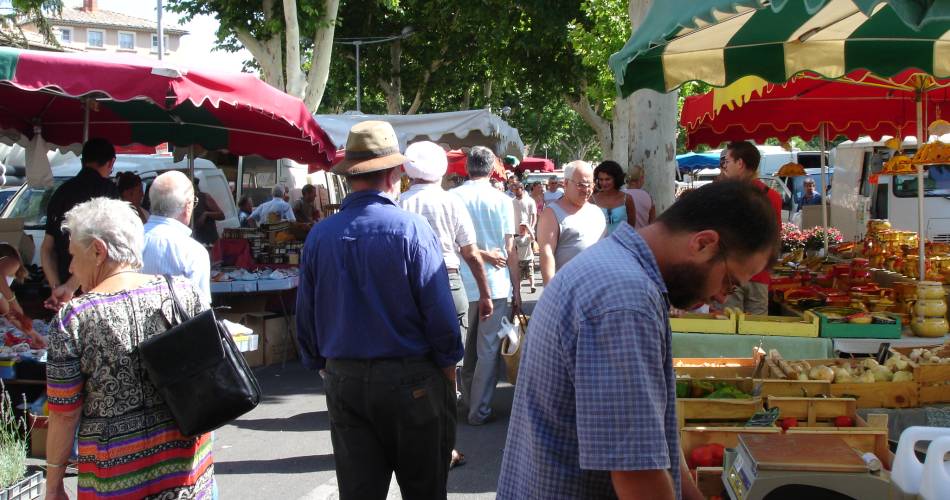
<point>533,164</point>
<point>131,100</point>
<point>696,161</point>
<point>855,105</point>
<point>721,41</point>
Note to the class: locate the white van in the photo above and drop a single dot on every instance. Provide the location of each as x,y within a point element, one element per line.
<point>30,202</point>
<point>855,199</point>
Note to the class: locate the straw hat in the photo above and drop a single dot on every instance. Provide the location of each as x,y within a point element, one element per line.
<point>371,146</point>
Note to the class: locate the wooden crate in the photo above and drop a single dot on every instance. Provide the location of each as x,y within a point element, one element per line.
<point>865,436</point>
<point>709,482</point>
<point>705,323</point>
<point>792,388</point>
<point>694,410</point>
<point>784,326</point>
<point>873,395</point>
<point>933,380</point>
<point>813,410</point>
<point>714,367</point>
<point>693,436</point>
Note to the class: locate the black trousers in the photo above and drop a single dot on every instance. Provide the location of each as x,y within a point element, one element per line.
<point>390,416</point>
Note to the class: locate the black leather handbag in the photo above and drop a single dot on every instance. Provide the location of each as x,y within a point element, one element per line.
<point>199,371</point>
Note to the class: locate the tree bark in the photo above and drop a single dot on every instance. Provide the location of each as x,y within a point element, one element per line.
<point>296,81</point>
<point>393,90</point>
<point>644,131</point>
<point>467,98</point>
<point>581,105</point>
<point>267,54</point>
<point>420,91</point>
<point>322,50</point>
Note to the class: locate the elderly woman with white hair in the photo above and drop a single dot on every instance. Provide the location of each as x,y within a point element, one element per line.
<point>129,444</point>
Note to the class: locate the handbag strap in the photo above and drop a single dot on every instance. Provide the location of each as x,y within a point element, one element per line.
<point>177,309</point>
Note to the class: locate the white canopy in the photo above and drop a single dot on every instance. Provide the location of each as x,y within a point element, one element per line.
<point>456,129</point>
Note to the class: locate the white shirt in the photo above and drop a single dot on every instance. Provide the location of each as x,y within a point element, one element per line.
<point>170,249</point>
<point>523,244</point>
<point>552,196</point>
<point>446,214</point>
<point>525,210</point>
<point>275,205</point>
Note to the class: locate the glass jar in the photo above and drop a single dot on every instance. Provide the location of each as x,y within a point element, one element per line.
<point>929,327</point>
<point>930,290</point>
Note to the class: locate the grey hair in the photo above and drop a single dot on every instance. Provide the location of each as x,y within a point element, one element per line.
<point>278,191</point>
<point>113,222</point>
<point>480,162</point>
<point>572,166</point>
<point>170,194</point>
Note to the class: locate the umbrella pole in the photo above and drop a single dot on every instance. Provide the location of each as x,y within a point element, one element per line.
<point>239,187</point>
<point>922,260</point>
<point>824,185</point>
<point>191,163</point>
<point>85,121</point>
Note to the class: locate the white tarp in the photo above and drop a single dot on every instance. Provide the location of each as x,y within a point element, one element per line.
<point>455,129</point>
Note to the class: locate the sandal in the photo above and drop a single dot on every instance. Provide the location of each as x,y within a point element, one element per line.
<point>458,459</point>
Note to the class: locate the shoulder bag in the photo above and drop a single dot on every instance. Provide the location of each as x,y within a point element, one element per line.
<point>199,371</point>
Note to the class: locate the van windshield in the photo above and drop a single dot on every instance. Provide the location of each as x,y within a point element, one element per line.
<point>936,183</point>
<point>30,203</point>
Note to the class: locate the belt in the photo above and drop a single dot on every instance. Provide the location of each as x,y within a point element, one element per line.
<point>452,271</point>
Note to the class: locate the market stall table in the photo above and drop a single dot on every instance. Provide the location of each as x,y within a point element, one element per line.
<point>265,288</point>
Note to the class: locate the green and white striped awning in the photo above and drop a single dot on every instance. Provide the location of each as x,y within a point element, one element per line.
<point>721,41</point>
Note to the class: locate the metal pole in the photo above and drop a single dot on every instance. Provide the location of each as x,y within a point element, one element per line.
<point>85,120</point>
<point>824,184</point>
<point>239,188</point>
<point>161,33</point>
<point>921,235</point>
<point>191,163</point>
<point>358,89</point>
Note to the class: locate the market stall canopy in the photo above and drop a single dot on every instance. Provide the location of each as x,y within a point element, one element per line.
<point>533,164</point>
<point>695,161</point>
<point>856,105</point>
<point>721,41</point>
<point>457,129</point>
<point>133,100</point>
<point>457,165</point>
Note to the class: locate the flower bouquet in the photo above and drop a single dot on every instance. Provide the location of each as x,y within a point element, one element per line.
<point>792,238</point>
<point>815,237</point>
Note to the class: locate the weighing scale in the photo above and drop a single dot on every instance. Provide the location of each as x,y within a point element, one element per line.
<point>816,467</point>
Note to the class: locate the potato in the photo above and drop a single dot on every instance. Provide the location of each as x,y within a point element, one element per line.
<point>882,374</point>
<point>903,376</point>
<point>869,363</point>
<point>821,373</point>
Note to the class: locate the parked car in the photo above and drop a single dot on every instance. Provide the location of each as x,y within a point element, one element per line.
<point>30,202</point>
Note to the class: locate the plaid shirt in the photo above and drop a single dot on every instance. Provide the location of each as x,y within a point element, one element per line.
<point>596,390</point>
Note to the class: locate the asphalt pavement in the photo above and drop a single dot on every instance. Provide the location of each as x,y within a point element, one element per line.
<point>282,448</point>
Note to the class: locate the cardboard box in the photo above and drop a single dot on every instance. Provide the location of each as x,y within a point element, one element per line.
<point>38,433</point>
<point>254,358</point>
<point>277,333</point>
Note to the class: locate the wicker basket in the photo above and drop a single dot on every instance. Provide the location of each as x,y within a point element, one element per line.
<point>512,355</point>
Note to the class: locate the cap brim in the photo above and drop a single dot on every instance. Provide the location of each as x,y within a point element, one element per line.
<point>356,167</point>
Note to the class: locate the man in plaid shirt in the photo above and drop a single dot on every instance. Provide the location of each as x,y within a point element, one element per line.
<point>594,413</point>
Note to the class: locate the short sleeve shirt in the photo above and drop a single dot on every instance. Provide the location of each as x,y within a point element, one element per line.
<point>596,390</point>
<point>493,217</point>
<point>525,209</point>
<point>446,214</point>
<point>86,185</point>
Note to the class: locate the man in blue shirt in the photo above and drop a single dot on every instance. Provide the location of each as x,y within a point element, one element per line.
<point>809,196</point>
<point>376,315</point>
<point>594,413</point>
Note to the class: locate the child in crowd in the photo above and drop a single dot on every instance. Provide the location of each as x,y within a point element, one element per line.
<point>523,242</point>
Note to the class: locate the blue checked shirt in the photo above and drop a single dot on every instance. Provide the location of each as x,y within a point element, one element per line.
<point>494,217</point>
<point>596,390</point>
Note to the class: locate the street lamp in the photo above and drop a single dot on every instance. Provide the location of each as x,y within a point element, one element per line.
<point>358,42</point>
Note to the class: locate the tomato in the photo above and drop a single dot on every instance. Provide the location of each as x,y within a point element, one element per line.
<point>844,421</point>
<point>788,422</point>
<point>702,456</point>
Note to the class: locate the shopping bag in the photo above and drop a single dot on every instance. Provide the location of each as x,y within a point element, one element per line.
<point>513,344</point>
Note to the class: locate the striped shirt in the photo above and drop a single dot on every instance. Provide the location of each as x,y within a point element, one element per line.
<point>494,217</point>
<point>447,216</point>
<point>596,390</point>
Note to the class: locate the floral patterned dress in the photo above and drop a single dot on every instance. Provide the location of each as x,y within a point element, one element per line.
<point>129,444</point>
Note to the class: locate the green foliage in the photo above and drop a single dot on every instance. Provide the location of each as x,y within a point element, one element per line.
<point>601,31</point>
<point>14,13</point>
<point>13,446</point>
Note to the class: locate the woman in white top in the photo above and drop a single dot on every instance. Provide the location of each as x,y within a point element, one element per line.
<point>646,210</point>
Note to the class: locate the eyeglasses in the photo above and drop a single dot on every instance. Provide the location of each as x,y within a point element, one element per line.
<point>582,185</point>
<point>195,201</point>
<point>732,284</point>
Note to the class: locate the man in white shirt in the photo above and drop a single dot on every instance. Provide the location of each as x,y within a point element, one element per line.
<point>277,205</point>
<point>554,191</point>
<point>169,247</point>
<point>526,210</point>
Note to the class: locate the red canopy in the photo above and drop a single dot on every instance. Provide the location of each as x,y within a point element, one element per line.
<point>860,104</point>
<point>457,160</point>
<point>532,164</point>
<point>134,100</point>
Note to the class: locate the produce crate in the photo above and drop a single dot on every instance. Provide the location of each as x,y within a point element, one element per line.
<point>792,388</point>
<point>876,394</point>
<point>813,410</point>
<point>866,436</point>
<point>27,489</point>
<point>709,482</point>
<point>695,410</point>
<point>714,367</point>
<point>933,379</point>
<point>828,329</point>
<point>705,323</point>
<point>783,326</point>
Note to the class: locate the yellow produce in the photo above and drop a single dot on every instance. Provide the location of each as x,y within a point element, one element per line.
<point>903,377</point>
